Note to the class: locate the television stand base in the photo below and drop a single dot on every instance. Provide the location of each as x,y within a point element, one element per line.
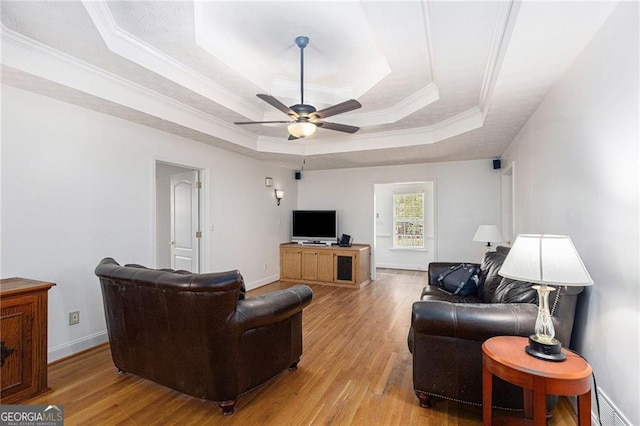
<point>334,265</point>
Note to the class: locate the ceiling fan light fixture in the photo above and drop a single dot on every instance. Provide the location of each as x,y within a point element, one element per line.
<point>301,129</point>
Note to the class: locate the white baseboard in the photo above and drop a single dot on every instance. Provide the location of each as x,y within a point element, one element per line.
<point>70,348</point>
<point>67,349</point>
<point>260,283</point>
<point>402,266</point>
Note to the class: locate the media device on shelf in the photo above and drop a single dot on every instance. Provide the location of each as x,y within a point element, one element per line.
<point>345,240</point>
<point>314,227</point>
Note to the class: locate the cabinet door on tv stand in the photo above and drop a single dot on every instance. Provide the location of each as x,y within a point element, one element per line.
<point>290,266</point>
<point>345,264</point>
<point>309,268</point>
<point>325,266</point>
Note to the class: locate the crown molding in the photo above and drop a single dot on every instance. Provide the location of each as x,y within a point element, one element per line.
<point>464,122</point>
<point>33,57</point>
<point>256,68</point>
<point>426,19</point>
<point>420,99</point>
<point>126,45</point>
<point>507,14</point>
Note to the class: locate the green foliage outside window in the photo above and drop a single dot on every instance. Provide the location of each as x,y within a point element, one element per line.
<point>408,215</point>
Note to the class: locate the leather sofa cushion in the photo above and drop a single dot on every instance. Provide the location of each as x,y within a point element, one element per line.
<point>432,292</point>
<point>489,278</point>
<point>512,291</point>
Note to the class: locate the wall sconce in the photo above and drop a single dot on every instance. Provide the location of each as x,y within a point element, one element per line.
<point>279,195</point>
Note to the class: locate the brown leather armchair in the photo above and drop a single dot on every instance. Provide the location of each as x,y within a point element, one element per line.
<point>196,333</point>
<point>447,332</point>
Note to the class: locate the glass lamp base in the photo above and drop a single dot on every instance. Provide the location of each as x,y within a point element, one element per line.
<point>548,351</point>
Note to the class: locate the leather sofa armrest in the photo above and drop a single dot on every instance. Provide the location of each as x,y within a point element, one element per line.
<point>272,307</point>
<point>473,321</point>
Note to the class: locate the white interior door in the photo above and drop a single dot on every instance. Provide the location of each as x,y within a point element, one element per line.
<point>185,221</point>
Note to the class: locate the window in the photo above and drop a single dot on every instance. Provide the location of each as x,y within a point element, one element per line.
<point>408,220</point>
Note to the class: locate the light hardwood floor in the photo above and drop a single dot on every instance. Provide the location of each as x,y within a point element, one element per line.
<point>355,369</point>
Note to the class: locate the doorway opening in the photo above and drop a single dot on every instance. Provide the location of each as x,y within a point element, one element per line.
<point>507,205</point>
<point>178,217</point>
<point>404,231</point>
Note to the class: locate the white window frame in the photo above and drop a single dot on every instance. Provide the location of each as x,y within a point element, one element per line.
<point>395,221</point>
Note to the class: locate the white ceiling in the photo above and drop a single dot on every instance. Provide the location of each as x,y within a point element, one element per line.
<point>438,81</point>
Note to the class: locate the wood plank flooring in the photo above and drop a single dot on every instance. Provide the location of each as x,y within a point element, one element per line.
<point>355,370</point>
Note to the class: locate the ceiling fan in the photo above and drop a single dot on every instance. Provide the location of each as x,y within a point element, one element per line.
<point>305,118</point>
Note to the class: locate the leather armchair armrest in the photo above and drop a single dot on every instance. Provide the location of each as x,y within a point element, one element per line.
<point>473,321</point>
<point>272,307</point>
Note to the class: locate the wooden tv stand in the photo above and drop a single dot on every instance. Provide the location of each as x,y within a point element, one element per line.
<point>330,265</point>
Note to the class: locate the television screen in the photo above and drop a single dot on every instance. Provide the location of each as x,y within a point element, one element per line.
<point>314,225</point>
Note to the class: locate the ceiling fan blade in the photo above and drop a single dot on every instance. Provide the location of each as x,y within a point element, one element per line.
<point>340,108</point>
<point>277,105</point>
<point>260,122</point>
<point>335,126</point>
<point>292,138</point>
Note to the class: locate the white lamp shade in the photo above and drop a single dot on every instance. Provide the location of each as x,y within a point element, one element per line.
<point>545,259</point>
<point>301,129</point>
<point>488,234</point>
<point>279,194</point>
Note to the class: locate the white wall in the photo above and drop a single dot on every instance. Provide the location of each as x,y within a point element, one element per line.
<point>78,186</point>
<point>576,173</point>
<point>467,195</point>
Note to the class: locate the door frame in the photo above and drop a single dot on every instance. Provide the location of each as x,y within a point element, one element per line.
<point>508,204</point>
<point>431,180</point>
<point>204,208</point>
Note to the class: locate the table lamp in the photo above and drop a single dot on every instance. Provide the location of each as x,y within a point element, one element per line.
<point>488,234</point>
<point>544,260</point>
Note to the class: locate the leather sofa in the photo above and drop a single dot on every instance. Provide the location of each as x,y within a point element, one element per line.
<point>447,332</point>
<point>197,333</point>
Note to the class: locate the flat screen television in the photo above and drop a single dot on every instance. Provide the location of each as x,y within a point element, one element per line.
<point>314,226</point>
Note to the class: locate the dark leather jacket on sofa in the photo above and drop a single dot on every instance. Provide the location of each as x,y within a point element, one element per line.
<point>196,333</point>
<point>447,332</point>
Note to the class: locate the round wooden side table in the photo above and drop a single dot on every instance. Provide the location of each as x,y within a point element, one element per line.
<point>505,357</point>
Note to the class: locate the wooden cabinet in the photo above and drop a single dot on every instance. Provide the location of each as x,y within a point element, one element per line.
<point>290,264</point>
<point>325,265</point>
<point>343,266</point>
<point>23,336</point>
<point>309,260</point>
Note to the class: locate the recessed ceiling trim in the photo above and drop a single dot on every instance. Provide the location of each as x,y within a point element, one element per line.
<point>429,39</point>
<point>235,47</point>
<point>126,45</point>
<point>420,99</point>
<point>461,123</point>
<point>507,14</point>
<point>321,97</point>
<point>35,58</point>
<point>216,46</point>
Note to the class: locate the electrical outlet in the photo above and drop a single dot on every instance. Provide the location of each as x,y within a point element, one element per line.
<point>74,317</point>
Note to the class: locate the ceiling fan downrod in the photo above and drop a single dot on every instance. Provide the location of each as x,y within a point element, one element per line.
<point>302,42</point>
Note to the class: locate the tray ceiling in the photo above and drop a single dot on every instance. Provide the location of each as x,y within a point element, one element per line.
<point>438,81</point>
